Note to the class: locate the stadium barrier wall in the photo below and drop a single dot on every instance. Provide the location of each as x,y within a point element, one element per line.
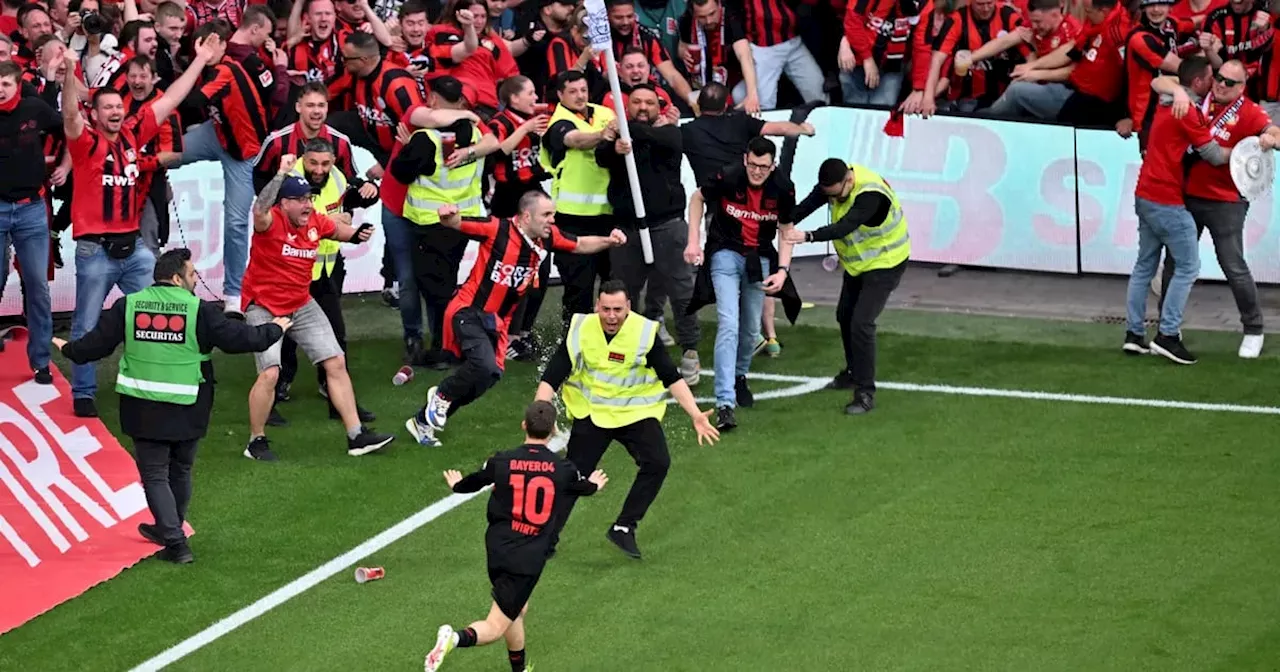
<point>977,192</point>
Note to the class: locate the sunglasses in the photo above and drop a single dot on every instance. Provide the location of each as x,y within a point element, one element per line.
<point>1227,81</point>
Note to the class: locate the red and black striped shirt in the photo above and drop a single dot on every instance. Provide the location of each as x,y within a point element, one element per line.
<point>169,139</point>
<point>381,99</point>
<point>522,164</point>
<point>881,30</point>
<point>506,266</point>
<point>1240,40</point>
<point>962,31</point>
<point>769,22</point>
<point>320,59</point>
<point>562,55</point>
<point>293,140</point>
<point>107,195</point>
<point>236,104</point>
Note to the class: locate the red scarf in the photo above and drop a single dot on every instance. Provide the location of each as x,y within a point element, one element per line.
<point>13,102</point>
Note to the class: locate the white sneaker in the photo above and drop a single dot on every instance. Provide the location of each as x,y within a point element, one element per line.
<point>231,304</point>
<point>437,409</point>
<point>690,368</point>
<point>1251,346</point>
<point>446,639</point>
<point>423,434</point>
<point>664,335</point>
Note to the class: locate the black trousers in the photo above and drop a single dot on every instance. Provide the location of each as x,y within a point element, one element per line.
<point>327,291</point>
<point>477,336</point>
<point>436,259</point>
<point>862,299</point>
<point>647,444</point>
<point>165,468</point>
<point>580,272</point>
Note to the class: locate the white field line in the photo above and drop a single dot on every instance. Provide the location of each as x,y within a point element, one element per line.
<point>801,385</point>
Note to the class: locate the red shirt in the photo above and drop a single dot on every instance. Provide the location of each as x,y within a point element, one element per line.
<point>1067,31</point>
<point>1182,11</point>
<point>1228,125</point>
<point>392,191</point>
<point>1099,57</point>
<point>319,59</point>
<point>1163,177</point>
<point>1146,49</point>
<point>280,259</point>
<point>481,71</point>
<point>107,195</point>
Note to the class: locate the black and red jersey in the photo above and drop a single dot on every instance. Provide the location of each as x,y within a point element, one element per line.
<point>1146,48</point>
<point>292,139</point>
<point>531,487</point>
<point>506,266</point>
<point>769,22</point>
<point>717,60</point>
<point>1240,39</point>
<point>562,55</point>
<point>480,72</point>
<point>988,78</point>
<point>1266,85</point>
<point>382,99</point>
<point>521,165</point>
<point>641,38</point>
<point>169,139</point>
<point>744,218</point>
<point>107,196</point>
<point>881,30</point>
<point>320,59</point>
<point>236,102</point>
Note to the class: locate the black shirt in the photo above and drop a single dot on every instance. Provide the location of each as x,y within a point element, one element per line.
<point>869,209</point>
<point>658,157</point>
<point>560,366</point>
<point>160,421</point>
<point>713,140</point>
<point>22,134</point>
<point>532,486</point>
<point>419,156</point>
<point>745,219</point>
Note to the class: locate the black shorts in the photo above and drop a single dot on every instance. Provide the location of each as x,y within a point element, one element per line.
<point>511,591</point>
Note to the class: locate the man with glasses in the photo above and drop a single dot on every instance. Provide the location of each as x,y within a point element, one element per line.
<point>1211,195</point>
<point>748,206</point>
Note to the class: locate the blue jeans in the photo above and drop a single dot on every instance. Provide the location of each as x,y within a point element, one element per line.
<point>96,274</point>
<point>1170,227</point>
<point>854,86</point>
<point>401,240</point>
<point>739,303</point>
<point>201,144</point>
<point>27,227</point>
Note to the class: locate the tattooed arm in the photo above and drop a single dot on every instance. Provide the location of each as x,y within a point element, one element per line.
<point>268,196</point>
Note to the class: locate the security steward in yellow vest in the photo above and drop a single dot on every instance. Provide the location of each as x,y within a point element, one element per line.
<point>579,185</point>
<point>613,375</point>
<point>166,383</point>
<point>435,178</point>
<point>332,192</point>
<point>869,232</point>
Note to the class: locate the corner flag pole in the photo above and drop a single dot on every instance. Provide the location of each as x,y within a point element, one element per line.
<point>601,39</point>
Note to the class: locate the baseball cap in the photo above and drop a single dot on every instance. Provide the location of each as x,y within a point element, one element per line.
<point>295,187</point>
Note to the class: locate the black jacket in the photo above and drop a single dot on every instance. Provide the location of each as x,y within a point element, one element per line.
<point>160,421</point>
<point>658,152</point>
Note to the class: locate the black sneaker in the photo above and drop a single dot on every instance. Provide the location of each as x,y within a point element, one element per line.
<point>84,408</point>
<point>364,414</point>
<point>725,419</point>
<point>1135,344</point>
<point>151,533</point>
<point>522,350</point>
<point>260,449</point>
<point>842,381</point>
<point>368,441</point>
<point>274,419</point>
<point>625,539</point>
<point>282,392</point>
<point>1171,348</point>
<point>178,554</point>
<point>43,376</point>
<point>412,350</point>
<point>862,403</point>
<point>745,398</point>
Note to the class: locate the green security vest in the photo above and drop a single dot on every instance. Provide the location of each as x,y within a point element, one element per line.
<point>327,202</point>
<point>612,382</point>
<point>161,360</point>
<point>579,185</point>
<point>459,186</point>
<point>871,248</point>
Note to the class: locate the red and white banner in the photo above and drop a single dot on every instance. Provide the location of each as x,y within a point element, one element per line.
<point>70,498</point>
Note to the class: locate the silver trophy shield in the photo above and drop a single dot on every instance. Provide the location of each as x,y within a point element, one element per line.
<point>1253,169</point>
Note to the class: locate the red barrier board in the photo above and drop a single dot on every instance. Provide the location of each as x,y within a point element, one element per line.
<point>70,497</point>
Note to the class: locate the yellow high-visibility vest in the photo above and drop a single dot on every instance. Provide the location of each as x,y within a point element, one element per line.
<point>459,186</point>
<point>871,248</point>
<point>327,202</point>
<point>579,186</point>
<point>612,382</point>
